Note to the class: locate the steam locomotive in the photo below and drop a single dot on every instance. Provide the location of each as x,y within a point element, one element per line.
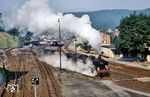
<point>101,67</point>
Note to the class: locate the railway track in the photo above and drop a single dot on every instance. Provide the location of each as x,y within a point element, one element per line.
<point>5,91</point>
<point>125,75</point>
<point>52,86</point>
<point>5,88</point>
<point>16,63</point>
<point>65,49</point>
<point>23,58</point>
<point>18,69</point>
<point>17,80</point>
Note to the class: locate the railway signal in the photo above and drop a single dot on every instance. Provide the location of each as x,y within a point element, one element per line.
<point>35,81</point>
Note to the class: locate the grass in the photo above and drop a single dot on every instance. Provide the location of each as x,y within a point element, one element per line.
<point>7,40</point>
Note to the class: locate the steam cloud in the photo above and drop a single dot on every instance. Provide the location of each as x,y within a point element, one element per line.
<point>69,64</point>
<point>36,16</point>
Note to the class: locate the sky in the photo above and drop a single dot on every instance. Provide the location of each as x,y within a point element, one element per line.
<point>80,5</point>
<point>89,5</point>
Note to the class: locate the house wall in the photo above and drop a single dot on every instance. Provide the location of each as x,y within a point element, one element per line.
<point>105,38</point>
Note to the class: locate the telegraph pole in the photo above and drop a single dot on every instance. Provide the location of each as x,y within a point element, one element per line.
<point>59,44</point>
<point>75,42</point>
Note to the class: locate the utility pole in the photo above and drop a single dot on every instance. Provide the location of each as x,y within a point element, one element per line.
<point>75,48</point>
<point>59,43</point>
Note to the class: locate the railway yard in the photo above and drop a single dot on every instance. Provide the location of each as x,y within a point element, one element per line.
<point>22,67</point>
<point>78,48</point>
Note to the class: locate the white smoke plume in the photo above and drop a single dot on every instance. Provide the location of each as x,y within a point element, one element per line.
<point>68,64</point>
<point>36,16</point>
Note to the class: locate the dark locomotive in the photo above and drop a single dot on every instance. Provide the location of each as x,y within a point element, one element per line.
<point>101,67</point>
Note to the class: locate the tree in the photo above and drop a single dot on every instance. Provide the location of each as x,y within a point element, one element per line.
<point>134,34</point>
<point>29,36</point>
<point>26,38</point>
<point>14,31</point>
<point>86,46</point>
